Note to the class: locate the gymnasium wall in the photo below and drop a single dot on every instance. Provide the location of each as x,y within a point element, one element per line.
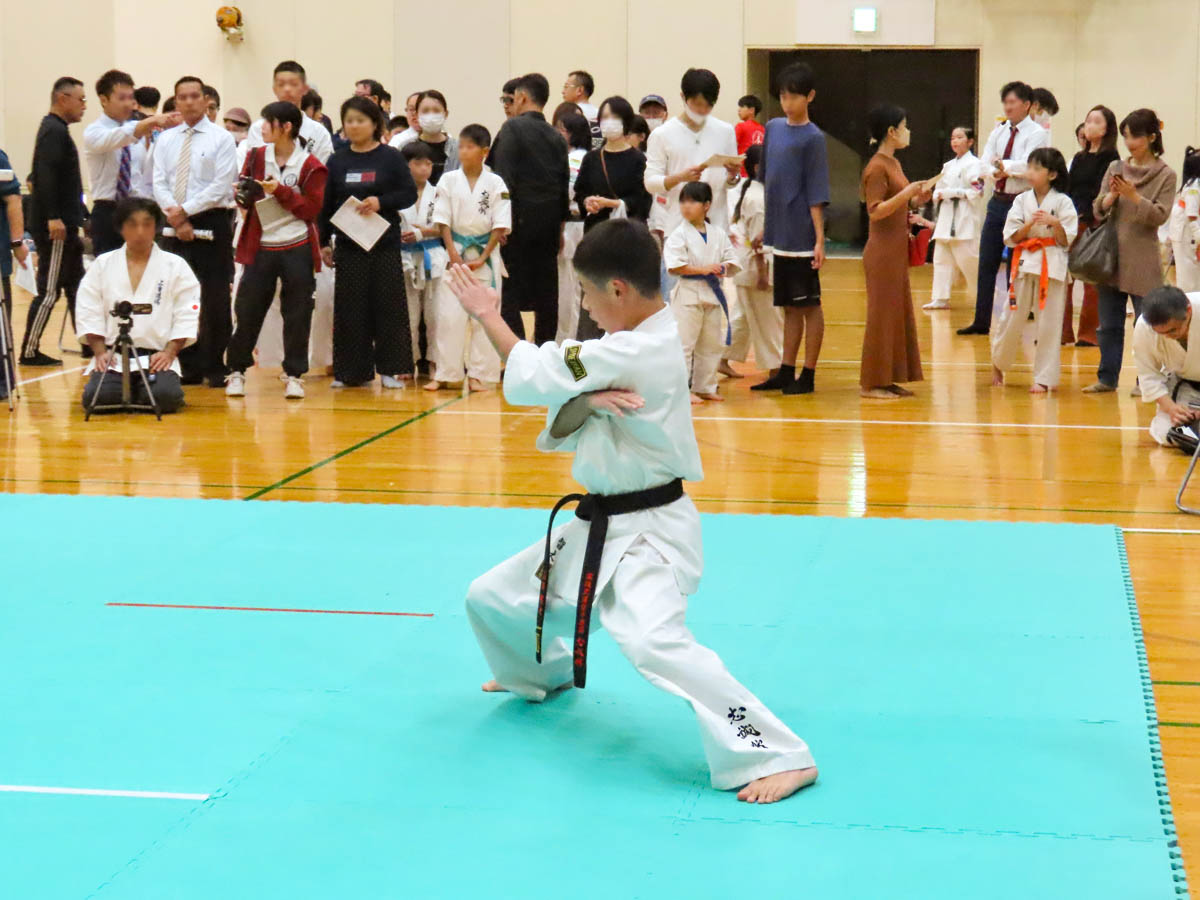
<point>1086,51</point>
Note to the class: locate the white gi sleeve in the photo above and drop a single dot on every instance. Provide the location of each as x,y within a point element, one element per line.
<point>441,202</point>
<point>552,374</point>
<point>1152,380</point>
<point>1015,220</point>
<point>675,250</point>
<point>502,209</point>
<point>185,321</point>
<point>729,256</point>
<point>90,315</point>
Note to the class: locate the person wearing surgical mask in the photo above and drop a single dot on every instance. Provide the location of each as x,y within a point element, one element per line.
<point>431,121</point>
<point>679,150</point>
<point>1044,107</point>
<point>653,109</point>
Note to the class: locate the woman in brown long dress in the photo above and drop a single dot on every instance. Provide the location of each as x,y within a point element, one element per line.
<point>890,353</point>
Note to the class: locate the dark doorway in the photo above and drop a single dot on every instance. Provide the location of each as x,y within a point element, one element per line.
<point>938,88</point>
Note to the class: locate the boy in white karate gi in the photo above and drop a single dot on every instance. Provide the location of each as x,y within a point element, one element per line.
<point>620,403</point>
<point>474,212</point>
<point>425,258</point>
<point>700,254</point>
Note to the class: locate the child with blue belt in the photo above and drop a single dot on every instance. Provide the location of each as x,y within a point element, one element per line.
<point>425,257</point>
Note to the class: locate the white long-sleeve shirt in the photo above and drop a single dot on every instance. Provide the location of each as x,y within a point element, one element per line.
<point>103,140</point>
<point>1030,136</point>
<point>959,193</point>
<point>673,147</point>
<point>1022,210</point>
<point>212,172</point>
<point>1159,357</point>
<point>167,284</point>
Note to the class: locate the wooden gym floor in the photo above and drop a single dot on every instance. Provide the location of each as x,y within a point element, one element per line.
<point>959,450</point>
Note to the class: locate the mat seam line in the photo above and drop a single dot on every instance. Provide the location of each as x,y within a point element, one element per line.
<point>1161,787</point>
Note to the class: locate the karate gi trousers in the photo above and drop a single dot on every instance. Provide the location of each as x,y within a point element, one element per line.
<point>1006,339</point>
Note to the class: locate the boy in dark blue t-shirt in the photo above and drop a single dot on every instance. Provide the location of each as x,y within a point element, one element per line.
<point>795,176</point>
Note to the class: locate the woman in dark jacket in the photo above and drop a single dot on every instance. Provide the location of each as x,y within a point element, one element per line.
<point>615,173</point>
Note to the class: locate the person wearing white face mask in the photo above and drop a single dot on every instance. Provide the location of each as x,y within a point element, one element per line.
<point>678,149</point>
<point>431,119</point>
<point>1044,107</point>
<point>653,109</point>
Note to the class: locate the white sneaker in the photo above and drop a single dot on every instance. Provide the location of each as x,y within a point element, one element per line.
<point>394,384</point>
<point>937,304</point>
<point>294,389</point>
<point>235,385</point>
<point>336,384</point>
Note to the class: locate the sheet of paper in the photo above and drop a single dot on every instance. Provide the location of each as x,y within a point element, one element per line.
<point>718,159</point>
<point>363,230</point>
<point>270,211</point>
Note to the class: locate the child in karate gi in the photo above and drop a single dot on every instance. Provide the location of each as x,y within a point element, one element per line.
<point>763,319</point>
<point>959,195</point>
<point>1040,227</point>
<point>620,404</point>
<point>1184,224</point>
<point>700,254</point>
<point>474,212</point>
<point>425,256</point>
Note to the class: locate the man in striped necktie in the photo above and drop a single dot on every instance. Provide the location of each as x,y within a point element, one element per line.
<point>108,150</point>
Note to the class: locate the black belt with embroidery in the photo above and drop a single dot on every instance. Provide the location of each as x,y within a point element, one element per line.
<point>595,508</point>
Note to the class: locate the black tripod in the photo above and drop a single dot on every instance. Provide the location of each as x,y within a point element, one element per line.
<point>8,357</point>
<point>124,346</point>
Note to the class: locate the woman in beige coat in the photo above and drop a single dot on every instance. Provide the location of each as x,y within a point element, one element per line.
<point>1142,189</point>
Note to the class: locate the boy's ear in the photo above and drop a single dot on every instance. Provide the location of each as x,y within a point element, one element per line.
<point>812,95</point>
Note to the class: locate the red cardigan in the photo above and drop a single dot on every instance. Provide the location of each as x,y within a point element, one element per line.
<point>304,204</point>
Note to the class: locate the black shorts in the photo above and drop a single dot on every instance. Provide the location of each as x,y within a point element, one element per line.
<point>797,283</point>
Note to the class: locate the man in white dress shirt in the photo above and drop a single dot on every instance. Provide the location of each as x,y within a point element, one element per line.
<point>578,89</point>
<point>110,146</point>
<point>1004,160</point>
<point>290,83</point>
<point>195,166</point>
<point>148,277</point>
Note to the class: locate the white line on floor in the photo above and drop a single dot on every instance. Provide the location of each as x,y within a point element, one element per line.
<point>786,420</point>
<point>51,375</point>
<point>154,795</point>
<point>1161,530</point>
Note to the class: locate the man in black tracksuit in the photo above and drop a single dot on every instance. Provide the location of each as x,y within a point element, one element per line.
<point>531,157</point>
<point>56,215</point>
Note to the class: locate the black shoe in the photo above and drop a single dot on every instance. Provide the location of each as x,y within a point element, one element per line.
<point>41,359</point>
<point>777,382</point>
<point>1084,344</point>
<point>972,329</point>
<point>803,383</point>
<point>191,379</point>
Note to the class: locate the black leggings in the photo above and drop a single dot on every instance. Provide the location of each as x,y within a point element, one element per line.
<point>370,313</point>
<point>293,268</point>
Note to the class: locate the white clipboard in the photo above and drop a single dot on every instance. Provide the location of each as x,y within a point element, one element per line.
<point>363,230</point>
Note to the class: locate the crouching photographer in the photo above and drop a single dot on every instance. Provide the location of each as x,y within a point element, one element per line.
<point>148,293</point>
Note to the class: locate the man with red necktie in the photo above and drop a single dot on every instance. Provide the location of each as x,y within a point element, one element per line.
<point>1005,154</point>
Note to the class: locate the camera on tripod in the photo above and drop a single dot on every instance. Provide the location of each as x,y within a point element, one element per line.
<point>126,309</point>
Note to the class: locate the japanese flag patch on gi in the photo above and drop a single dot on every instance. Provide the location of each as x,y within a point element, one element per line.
<point>574,363</point>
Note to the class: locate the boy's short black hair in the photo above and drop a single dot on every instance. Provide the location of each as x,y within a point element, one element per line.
<point>796,78</point>
<point>751,101</point>
<point>169,105</point>
<point>585,81</point>
<point>311,100</point>
<point>700,83</point>
<point>110,79</point>
<point>1023,91</point>
<point>477,135</point>
<point>700,191</point>
<point>147,96</point>
<point>210,93</point>
<point>131,205</point>
<point>511,85</point>
<point>188,79</point>
<point>290,65</point>
<point>398,122</point>
<point>622,249</point>
<point>536,86</point>
<point>417,150</point>
<point>1043,98</point>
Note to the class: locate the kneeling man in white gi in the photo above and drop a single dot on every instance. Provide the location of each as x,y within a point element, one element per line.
<point>147,276</point>
<point>1168,361</point>
<point>621,404</point>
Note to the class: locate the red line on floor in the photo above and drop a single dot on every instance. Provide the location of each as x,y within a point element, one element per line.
<point>341,612</point>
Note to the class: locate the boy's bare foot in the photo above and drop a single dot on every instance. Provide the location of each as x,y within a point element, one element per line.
<point>696,401</point>
<point>493,687</point>
<point>433,386</point>
<point>1039,389</point>
<point>997,377</point>
<point>878,394</point>
<point>774,788</point>
<point>729,371</point>
<point>477,386</point>
<point>715,397</point>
